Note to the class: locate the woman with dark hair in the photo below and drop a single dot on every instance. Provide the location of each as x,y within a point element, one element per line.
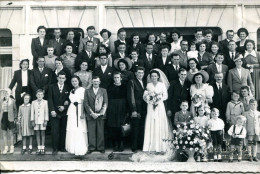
<point>69,58</point>
<point>105,34</point>
<point>242,33</point>
<point>84,75</point>
<point>136,44</point>
<point>208,34</point>
<point>200,91</point>
<point>71,40</point>
<point>117,110</point>
<point>124,66</point>
<point>76,136</point>
<point>204,57</point>
<point>176,42</point>
<point>193,67</point>
<point>157,125</point>
<point>104,50</point>
<point>22,79</point>
<point>214,48</point>
<point>151,38</point>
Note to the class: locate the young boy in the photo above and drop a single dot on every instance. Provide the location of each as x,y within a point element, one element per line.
<point>39,119</point>
<point>237,133</point>
<point>184,115</point>
<point>253,129</point>
<point>216,127</point>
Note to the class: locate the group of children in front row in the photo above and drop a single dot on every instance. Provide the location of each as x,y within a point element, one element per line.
<point>32,118</point>
<point>241,127</point>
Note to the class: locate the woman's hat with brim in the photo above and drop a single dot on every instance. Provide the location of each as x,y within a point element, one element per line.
<point>202,72</point>
<point>125,60</point>
<point>103,31</point>
<point>238,57</point>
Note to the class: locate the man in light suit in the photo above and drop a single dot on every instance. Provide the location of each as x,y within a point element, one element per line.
<point>95,104</point>
<point>57,42</point>
<point>223,45</point>
<point>217,67</point>
<point>239,76</point>
<point>183,53</point>
<point>90,37</point>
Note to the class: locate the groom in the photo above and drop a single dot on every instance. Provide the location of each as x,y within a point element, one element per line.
<point>138,107</point>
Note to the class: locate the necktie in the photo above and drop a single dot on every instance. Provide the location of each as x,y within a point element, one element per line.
<point>57,40</point>
<point>89,54</point>
<point>41,70</point>
<point>232,56</point>
<point>60,89</point>
<point>182,83</point>
<point>219,87</point>
<point>149,58</point>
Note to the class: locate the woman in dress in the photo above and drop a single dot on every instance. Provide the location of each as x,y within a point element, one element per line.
<point>116,111</point>
<point>84,75</point>
<point>105,34</point>
<point>242,33</point>
<point>204,57</point>
<point>193,67</point>
<point>252,59</point>
<point>71,40</point>
<point>200,92</point>
<point>214,49</point>
<point>124,66</point>
<point>157,126</point>
<point>176,43</point>
<point>76,135</point>
<point>69,58</point>
<point>136,44</point>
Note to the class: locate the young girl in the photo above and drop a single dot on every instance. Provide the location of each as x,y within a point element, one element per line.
<point>24,118</point>
<point>202,120</point>
<point>216,127</point>
<point>193,53</point>
<point>8,115</point>
<point>237,133</point>
<point>234,108</point>
<point>39,118</point>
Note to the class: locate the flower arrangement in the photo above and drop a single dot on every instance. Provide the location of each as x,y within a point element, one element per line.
<point>152,97</point>
<point>190,136</point>
<point>197,100</point>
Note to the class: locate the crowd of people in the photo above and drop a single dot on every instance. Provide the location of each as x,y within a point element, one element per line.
<point>85,89</point>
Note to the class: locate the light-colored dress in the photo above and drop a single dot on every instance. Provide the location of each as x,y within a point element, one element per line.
<point>24,115</point>
<point>76,136</point>
<point>175,46</point>
<point>50,62</point>
<point>85,77</point>
<point>193,54</point>
<point>157,126</point>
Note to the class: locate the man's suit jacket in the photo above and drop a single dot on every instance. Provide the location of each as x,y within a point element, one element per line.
<point>205,60</point>
<point>223,46</point>
<point>83,42</point>
<point>172,73</point>
<point>178,93</point>
<point>67,74</point>
<point>57,46</point>
<point>84,56</point>
<point>95,103</point>
<point>37,49</point>
<point>183,58</point>
<point>220,97</point>
<point>135,99</point>
<point>116,44</point>
<point>147,65</point>
<point>116,56</point>
<point>75,46</point>
<point>212,70</point>
<point>139,47</point>
<point>179,117</point>
<point>55,98</point>
<point>159,63</point>
<point>40,80</point>
<point>230,63</point>
<point>235,83</point>
<point>17,79</point>
<point>139,63</point>
<point>106,78</point>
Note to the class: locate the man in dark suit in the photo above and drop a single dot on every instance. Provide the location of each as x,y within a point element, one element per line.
<point>58,101</point>
<point>221,95</point>
<point>96,42</point>
<point>135,91</point>
<point>122,39</point>
<point>57,42</point>
<point>87,55</point>
<point>179,91</point>
<point>41,78</point>
<point>137,62</point>
<point>104,72</point>
<point>72,41</point>
<point>121,52</point>
<point>218,67</point>
<point>59,67</point>
<point>163,37</point>
<point>95,104</point>
<point>183,53</point>
<point>172,70</point>
<point>39,45</point>
<point>223,45</point>
<point>149,59</point>
<point>163,60</point>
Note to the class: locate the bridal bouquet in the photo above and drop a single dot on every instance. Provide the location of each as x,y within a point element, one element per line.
<point>197,100</point>
<point>152,97</point>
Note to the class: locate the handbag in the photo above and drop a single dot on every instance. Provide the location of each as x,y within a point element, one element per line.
<point>125,129</point>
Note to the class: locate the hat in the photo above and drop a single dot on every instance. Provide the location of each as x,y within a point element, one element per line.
<point>125,60</point>
<point>8,90</point>
<point>238,57</point>
<point>103,31</point>
<point>202,72</point>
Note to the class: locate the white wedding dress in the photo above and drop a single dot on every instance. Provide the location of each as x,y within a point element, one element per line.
<point>76,136</point>
<point>157,126</point>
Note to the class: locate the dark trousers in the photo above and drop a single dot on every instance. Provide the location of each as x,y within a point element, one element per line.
<point>58,127</point>
<point>137,133</point>
<point>116,135</point>
<point>96,140</point>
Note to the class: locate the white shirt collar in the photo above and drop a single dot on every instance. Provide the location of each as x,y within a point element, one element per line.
<point>147,55</point>
<point>122,41</point>
<point>103,68</point>
<point>29,104</point>
<point>91,39</point>
<point>253,53</point>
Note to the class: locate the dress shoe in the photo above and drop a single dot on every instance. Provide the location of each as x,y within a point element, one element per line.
<point>38,152</point>
<point>90,151</point>
<point>255,159</point>
<point>29,151</point>
<point>250,159</point>
<point>121,147</point>
<point>102,151</point>
<point>63,150</point>
<point>42,151</point>
<point>238,160</point>
<point>230,161</point>
<point>133,150</point>
<point>23,151</point>
<point>54,152</point>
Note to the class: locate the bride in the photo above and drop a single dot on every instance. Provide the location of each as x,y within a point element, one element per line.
<point>157,125</point>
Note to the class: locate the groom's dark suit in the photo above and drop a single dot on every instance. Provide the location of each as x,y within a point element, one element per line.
<point>135,93</point>
<point>58,123</point>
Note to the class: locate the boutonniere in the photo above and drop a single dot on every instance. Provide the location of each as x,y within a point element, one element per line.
<point>46,75</point>
<point>109,73</point>
<point>66,92</point>
<point>169,63</point>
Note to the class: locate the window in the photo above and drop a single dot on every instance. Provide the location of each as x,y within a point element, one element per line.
<point>258,40</point>
<point>5,48</point>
